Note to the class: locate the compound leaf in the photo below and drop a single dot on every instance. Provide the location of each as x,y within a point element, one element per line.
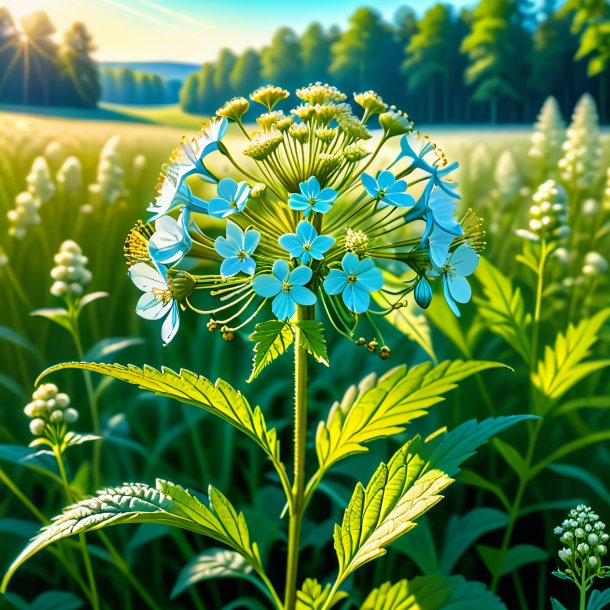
<point>272,339</point>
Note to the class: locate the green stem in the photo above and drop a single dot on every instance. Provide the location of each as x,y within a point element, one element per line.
<point>95,603</point>
<point>300,433</point>
<point>538,308</point>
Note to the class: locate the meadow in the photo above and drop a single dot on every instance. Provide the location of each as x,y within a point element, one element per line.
<point>541,310</point>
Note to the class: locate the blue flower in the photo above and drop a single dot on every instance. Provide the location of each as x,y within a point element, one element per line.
<point>356,281</point>
<point>415,147</point>
<point>237,249</point>
<point>306,244</point>
<point>288,288</point>
<point>460,265</point>
<point>312,198</point>
<point>184,162</point>
<point>423,292</point>
<point>232,198</point>
<point>171,240</point>
<point>387,190</point>
<point>157,301</point>
<point>170,198</point>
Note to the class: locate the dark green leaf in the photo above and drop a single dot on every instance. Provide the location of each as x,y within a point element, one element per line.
<point>515,558</point>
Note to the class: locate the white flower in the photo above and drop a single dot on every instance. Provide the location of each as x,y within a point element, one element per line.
<point>69,176</point>
<point>548,135</point>
<point>70,273</point>
<point>39,181</point>
<point>24,216</point>
<point>109,187</point>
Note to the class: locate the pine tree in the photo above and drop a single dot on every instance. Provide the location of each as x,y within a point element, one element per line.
<point>246,74</point>
<point>79,81</point>
<point>281,60</point>
<point>315,54</point>
<point>496,48</point>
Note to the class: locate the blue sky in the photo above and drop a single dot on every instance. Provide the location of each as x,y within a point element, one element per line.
<point>194,30</point>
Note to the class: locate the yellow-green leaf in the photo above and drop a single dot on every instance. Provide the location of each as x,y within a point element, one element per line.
<point>382,407</point>
<point>313,596</point>
<point>272,339</point>
<point>312,337</point>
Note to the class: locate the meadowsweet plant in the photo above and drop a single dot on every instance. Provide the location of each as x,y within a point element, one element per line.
<point>548,136</point>
<point>109,186</point>
<point>39,181</point>
<point>24,216</point>
<point>305,236</point>
<point>69,178</point>
<point>584,551</point>
<point>70,272</point>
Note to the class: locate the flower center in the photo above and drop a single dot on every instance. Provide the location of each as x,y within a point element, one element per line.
<point>312,201</point>
<point>351,279</point>
<point>233,204</point>
<point>307,247</point>
<point>286,286</point>
<point>164,296</point>
<point>242,255</point>
<point>380,194</point>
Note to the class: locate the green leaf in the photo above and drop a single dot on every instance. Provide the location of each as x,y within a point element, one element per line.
<point>72,438</point>
<point>515,558</point>
<point>561,575</point>
<point>556,605</point>
<point>476,480</point>
<point>503,308</point>
<point>89,298</point>
<point>512,457</point>
<point>562,366</point>
<point>272,339</point>
<point>219,398</point>
<point>445,321</point>
<point>57,600</point>
<point>465,530</point>
<point>599,600</point>
<point>166,504</point>
<point>313,339</point>
<point>584,476</point>
<point>313,596</point>
<point>59,315</point>
<point>419,547</point>
<point>211,563</point>
<point>12,336</point>
<point>23,528</point>
<point>404,489</point>
<point>432,593</point>
<point>379,408</point>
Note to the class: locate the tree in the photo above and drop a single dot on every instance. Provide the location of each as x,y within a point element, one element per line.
<point>315,54</point>
<point>429,62</point>
<point>158,90</point>
<point>188,94</point>
<point>281,60</point>
<point>40,58</point>
<point>79,80</point>
<point>246,74</point>
<point>11,59</point>
<point>224,66</point>
<point>207,99</point>
<point>127,86</point>
<point>496,49</point>
<point>366,55</point>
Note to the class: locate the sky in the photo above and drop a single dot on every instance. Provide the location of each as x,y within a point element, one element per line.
<point>194,30</point>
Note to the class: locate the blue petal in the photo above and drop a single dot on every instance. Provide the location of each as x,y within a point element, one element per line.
<point>439,243</point>
<point>304,256</point>
<point>459,288</point>
<point>306,232</point>
<point>310,188</point>
<point>227,188</point>
<point>335,282</point>
<point>266,286</point>
<point>385,179</point>
<point>320,245</point>
<point>281,270</point>
<point>290,242</point>
<point>371,280</point>
<point>400,200</point>
<point>300,276</point>
<point>171,324</point>
<point>327,195</point>
<point>230,266</point>
<point>370,184</point>
<point>302,295</point>
<point>150,308</point>
<point>464,261</point>
<point>366,264</point>
<point>298,202</point>
<point>251,240</point>
<point>146,277</point>
<point>225,248</point>
<point>452,304</point>
<point>400,186</point>
<point>248,266</point>
<point>350,263</point>
<point>235,234</point>
<point>418,211</point>
<point>442,207</point>
<point>356,299</point>
<point>321,207</point>
<point>220,208</point>
<point>283,306</point>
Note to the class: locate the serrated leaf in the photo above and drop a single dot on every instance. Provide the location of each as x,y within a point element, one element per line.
<point>166,504</point>
<point>382,407</point>
<point>211,563</point>
<point>313,339</point>
<point>404,489</point>
<point>313,596</point>
<point>516,557</point>
<point>598,600</point>
<point>219,398</point>
<point>503,308</point>
<point>272,339</point>
<point>562,366</point>
<point>432,593</point>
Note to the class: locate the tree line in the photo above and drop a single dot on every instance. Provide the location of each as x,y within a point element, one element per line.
<point>496,62</point>
<point>38,71</point>
<point>128,86</point>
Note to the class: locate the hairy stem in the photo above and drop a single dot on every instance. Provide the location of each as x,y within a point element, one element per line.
<point>300,433</point>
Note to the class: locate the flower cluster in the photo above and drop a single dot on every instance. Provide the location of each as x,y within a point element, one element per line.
<point>585,542</point>
<point>548,214</point>
<point>307,221</point>
<point>24,216</point>
<point>70,273</point>
<point>582,148</point>
<point>548,135</point>
<point>69,177</point>
<point>48,410</point>
<point>39,181</point>
<point>109,186</point>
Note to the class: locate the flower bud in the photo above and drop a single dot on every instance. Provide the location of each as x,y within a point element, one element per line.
<point>37,426</point>
<point>70,415</point>
<point>394,123</point>
<point>423,293</point>
<point>234,109</point>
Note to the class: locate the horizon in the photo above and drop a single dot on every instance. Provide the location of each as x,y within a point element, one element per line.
<point>136,30</point>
